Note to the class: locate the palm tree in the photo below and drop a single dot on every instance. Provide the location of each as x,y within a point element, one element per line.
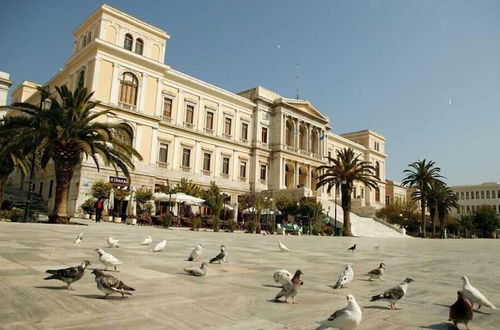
<point>343,170</point>
<point>445,201</point>
<point>66,131</point>
<point>420,176</point>
<point>9,161</point>
<point>188,187</point>
<point>435,189</point>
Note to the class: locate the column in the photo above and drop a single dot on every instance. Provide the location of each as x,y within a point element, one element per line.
<point>176,154</point>
<point>179,114</point>
<point>297,130</point>
<point>95,77</point>
<point>142,93</point>
<point>198,116</point>
<point>137,139</point>
<point>296,175</point>
<point>115,84</point>
<point>159,100</point>
<point>154,146</point>
<point>308,179</point>
<point>283,129</point>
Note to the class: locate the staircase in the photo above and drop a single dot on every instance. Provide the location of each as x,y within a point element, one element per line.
<point>18,198</point>
<point>362,226</point>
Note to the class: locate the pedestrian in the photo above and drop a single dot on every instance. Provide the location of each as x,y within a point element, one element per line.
<point>99,206</point>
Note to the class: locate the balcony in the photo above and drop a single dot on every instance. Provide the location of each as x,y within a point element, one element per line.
<point>243,178</point>
<point>317,156</point>
<point>162,164</point>
<point>227,136</point>
<point>242,140</point>
<point>129,107</point>
<point>205,172</point>
<point>224,176</point>
<point>305,153</point>
<point>186,168</point>
<point>290,148</point>
<point>188,125</point>
<point>208,131</point>
<point>167,119</point>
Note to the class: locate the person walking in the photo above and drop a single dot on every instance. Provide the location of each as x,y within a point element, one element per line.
<point>99,206</point>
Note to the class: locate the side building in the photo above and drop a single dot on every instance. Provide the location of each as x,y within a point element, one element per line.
<point>256,140</point>
<point>472,197</point>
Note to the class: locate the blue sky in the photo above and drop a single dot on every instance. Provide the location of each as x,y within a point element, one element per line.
<point>391,66</point>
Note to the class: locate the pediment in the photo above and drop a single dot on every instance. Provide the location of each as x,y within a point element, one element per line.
<point>305,107</point>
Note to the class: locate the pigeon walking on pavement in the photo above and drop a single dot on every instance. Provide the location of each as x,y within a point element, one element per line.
<point>290,288</point>
<point>461,311</point>
<point>345,278</point>
<point>394,294</point>
<point>197,271</point>
<point>79,238</point>
<point>352,248</point>
<point>196,253</point>
<point>282,247</point>
<point>346,318</point>
<point>160,246</point>
<point>107,259</point>
<point>110,284</point>
<point>68,275</point>
<point>112,243</point>
<point>221,256</point>
<point>474,295</point>
<point>147,241</point>
<point>377,273</point>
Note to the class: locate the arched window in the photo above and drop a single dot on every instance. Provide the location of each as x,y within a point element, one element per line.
<point>128,88</point>
<point>289,133</point>
<point>377,170</point>
<point>80,83</point>
<point>315,142</point>
<point>89,36</point>
<point>84,41</point>
<point>123,136</point>
<point>139,46</point>
<point>127,44</point>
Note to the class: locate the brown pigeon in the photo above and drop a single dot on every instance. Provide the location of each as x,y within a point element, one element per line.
<point>461,311</point>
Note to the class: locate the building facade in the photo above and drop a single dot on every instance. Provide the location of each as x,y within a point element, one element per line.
<point>395,193</point>
<point>5,84</point>
<point>472,197</point>
<point>256,140</point>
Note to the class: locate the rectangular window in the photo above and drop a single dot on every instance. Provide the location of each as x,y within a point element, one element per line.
<point>462,194</point>
<point>463,209</point>
<point>186,157</point>
<point>244,131</point>
<point>51,186</point>
<point>487,194</point>
<point>468,209</point>
<point>493,194</point>
<point>458,196</point>
<point>243,170</point>
<point>263,170</point>
<point>482,194</point>
<point>189,113</point>
<point>471,195</point>
<point>206,161</point>
<point>498,193</point>
<point>209,122</point>
<point>163,153</point>
<point>225,165</point>
<point>264,135</point>
<point>167,107</point>
<point>227,126</point>
<point>466,195</point>
<point>477,194</point>
<point>473,207</point>
<point>354,192</point>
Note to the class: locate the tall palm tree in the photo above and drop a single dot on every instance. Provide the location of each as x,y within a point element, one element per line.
<point>445,201</point>
<point>435,189</point>
<point>68,130</point>
<point>343,171</point>
<point>420,176</point>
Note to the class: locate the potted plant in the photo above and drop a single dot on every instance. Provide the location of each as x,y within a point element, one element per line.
<point>120,195</point>
<point>88,207</point>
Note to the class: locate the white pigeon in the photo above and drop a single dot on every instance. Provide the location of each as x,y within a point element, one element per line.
<point>345,278</point>
<point>474,295</point>
<point>113,243</point>
<point>196,253</point>
<point>107,259</point>
<point>282,247</point>
<point>147,241</point>
<point>346,318</point>
<point>79,238</point>
<point>160,246</point>
<point>282,276</point>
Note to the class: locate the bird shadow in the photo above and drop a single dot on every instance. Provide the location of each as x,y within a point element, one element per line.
<point>439,326</point>
<point>51,287</point>
<point>442,305</point>
<point>377,307</point>
<point>272,286</point>
<point>96,296</point>
<point>475,310</point>
<point>277,301</point>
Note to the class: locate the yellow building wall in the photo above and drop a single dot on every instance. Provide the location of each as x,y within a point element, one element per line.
<point>150,101</point>
<point>110,35</point>
<point>103,88</point>
<point>145,148</point>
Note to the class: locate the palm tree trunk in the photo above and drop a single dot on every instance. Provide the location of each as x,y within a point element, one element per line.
<point>441,225</point>
<point>346,208</point>
<point>64,173</point>
<point>3,181</point>
<point>432,213</point>
<point>422,217</point>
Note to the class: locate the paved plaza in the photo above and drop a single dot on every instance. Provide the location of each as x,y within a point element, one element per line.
<point>234,295</point>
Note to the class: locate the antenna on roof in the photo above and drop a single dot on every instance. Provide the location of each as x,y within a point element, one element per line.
<point>297,76</point>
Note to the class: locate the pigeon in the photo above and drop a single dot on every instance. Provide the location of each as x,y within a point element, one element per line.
<point>282,247</point>
<point>352,248</point>
<point>79,238</point>
<point>221,256</point>
<point>290,288</point>
<point>461,310</point>
<point>68,275</point>
<point>147,241</point>
<point>196,253</point>
<point>160,246</point>
<point>345,278</point>
<point>474,295</point>
<point>394,294</point>
<point>197,271</point>
<point>346,318</point>
<point>112,243</point>
<point>377,272</point>
<point>282,276</point>
<point>107,259</point>
<point>110,284</point>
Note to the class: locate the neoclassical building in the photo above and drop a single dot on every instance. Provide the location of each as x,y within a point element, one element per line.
<point>256,140</point>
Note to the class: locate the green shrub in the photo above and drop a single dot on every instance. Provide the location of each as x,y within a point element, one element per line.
<point>316,229</point>
<point>167,220</point>
<point>196,223</point>
<point>5,214</point>
<point>101,189</point>
<point>88,206</point>
<point>215,224</point>
<point>16,215</point>
<point>250,226</point>
<point>271,228</point>
<point>231,226</point>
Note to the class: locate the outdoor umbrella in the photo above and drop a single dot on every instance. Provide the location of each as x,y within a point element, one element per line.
<point>111,200</point>
<point>160,196</point>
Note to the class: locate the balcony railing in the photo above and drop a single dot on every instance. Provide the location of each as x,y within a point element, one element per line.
<point>188,125</point>
<point>186,169</point>
<point>205,172</point>
<point>129,107</point>
<point>226,136</point>
<point>168,119</point>
<point>162,164</point>
<point>209,130</point>
<point>243,178</point>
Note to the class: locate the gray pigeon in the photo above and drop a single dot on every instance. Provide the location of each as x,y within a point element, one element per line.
<point>195,271</point>
<point>221,256</point>
<point>110,284</point>
<point>68,275</point>
<point>290,287</point>
<point>394,294</point>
